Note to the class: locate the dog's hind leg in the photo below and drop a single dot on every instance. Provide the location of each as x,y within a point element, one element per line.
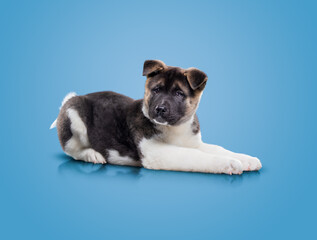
<point>73,136</point>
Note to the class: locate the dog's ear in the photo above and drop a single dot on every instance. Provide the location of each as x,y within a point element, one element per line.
<point>152,66</point>
<point>196,78</point>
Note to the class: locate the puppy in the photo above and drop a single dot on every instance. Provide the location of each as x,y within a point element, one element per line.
<point>159,132</point>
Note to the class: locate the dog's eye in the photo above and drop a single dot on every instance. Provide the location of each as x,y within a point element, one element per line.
<point>180,93</point>
<point>156,90</point>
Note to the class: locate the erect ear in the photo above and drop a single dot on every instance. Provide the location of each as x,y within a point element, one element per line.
<point>195,77</point>
<point>151,66</point>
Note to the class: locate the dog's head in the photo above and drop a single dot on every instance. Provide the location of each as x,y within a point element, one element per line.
<point>172,94</point>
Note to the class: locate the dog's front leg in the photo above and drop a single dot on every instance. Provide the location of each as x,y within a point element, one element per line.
<point>162,156</point>
<point>249,163</point>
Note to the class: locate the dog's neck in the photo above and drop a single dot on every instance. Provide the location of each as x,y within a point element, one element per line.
<point>179,135</point>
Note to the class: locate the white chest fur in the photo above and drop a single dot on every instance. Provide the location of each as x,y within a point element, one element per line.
<point>181,135</point>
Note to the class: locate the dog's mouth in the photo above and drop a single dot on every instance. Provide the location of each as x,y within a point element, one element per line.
<point>160,121</point>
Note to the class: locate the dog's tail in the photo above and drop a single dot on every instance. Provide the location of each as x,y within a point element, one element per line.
<point>53,124</point>
<point>66,98</point>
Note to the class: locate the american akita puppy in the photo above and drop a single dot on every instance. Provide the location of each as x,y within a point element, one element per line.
<point>160,131</point>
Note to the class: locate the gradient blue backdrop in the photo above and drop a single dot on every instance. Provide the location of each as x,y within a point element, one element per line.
<point>260,57</point>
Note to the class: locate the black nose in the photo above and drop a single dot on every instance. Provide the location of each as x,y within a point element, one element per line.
<point>160,110</point>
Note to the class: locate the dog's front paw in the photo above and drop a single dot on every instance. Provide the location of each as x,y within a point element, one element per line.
<point>250,163</point>
<point>231,166</point>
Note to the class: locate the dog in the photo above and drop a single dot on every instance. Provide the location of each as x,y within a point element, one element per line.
<point>158,132</point>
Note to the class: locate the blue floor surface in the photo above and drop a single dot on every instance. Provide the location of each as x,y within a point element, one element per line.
<point>260,99</point>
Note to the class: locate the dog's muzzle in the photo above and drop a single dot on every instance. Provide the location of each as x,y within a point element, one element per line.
<point>161,112</point>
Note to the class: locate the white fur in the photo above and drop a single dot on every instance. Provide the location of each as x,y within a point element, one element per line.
<point>248,163</point>
<point>162,156</point>
<point>66,98</point>
<point>159,123</point>
<point>78,145</point>
<point>177,148</point>
<point>115,158</point>
<point>53,124</point>
<point>145,111</point>
<point>181,135</point>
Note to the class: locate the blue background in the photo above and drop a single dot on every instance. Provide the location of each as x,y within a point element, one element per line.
<point>260,99</point>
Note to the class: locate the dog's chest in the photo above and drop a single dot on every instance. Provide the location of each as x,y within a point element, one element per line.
<point>179,135</point>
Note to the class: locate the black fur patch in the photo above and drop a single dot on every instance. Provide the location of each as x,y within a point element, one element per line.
<point>113,121</point>
<point>63,127</point>
<point>195,125</point>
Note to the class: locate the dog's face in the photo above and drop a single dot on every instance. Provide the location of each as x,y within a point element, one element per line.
<point>172,94</point>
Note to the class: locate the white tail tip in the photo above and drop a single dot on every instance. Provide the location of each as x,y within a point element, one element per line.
<point>67,97</point>
<point>53,124</point>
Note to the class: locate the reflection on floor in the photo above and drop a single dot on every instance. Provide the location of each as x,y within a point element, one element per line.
<point>71,166</point>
